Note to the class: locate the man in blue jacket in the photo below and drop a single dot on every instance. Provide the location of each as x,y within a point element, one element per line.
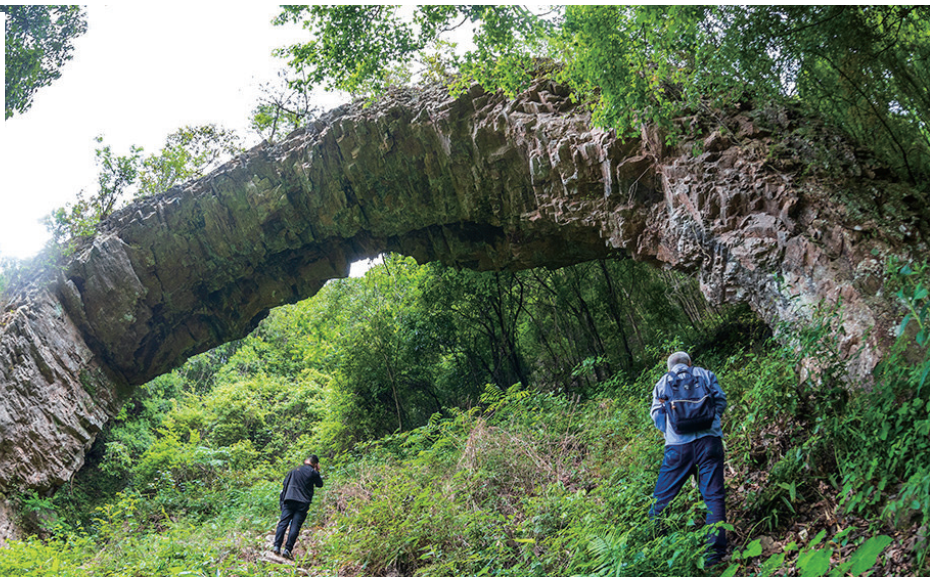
<point>697,454</point>
<point>295,501</point>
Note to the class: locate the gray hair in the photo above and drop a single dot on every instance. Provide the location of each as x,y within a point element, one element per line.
<point>679,358</point>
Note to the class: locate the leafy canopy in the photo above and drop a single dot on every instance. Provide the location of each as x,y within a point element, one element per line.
<point>864,68</point>
<point>39,40</point>
<point>189,153</point>
<point>116,173</point>
<point>366,49</point>
<point>281,108</point>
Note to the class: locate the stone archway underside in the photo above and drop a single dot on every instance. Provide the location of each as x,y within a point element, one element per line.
<point>475,181</point>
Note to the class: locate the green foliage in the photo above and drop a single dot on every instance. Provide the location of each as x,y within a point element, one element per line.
<point>54,558</point>
<point>863,68</point>
<point>271,414</point>
<point>914,296</point>
<point>813,559</point>
<point>631,552</point>
<point>131,549</point>
<point>366,49</point>
<point>171,462</point>
<point>284,106</point>
<point>533,484</point>
<point>497,423</point>
<point>516,479</point>
<point>509,43</point>
<point>386,353</point>
<point>11,269</point>
<point>885,442</point>
<point>36,514</point>
<point>115,175</point>
<point>39,41</point>
<point>354,48</point>
<point>188,154</point>
<point>642,60</point>
<point>885,435</point>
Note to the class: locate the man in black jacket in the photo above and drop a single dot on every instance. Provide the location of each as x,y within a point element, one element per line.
<point>295,502</point>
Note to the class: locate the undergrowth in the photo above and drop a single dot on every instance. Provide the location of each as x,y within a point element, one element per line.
<point>822,479</point>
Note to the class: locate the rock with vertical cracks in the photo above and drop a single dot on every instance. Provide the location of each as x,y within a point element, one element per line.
<point>474,181</point>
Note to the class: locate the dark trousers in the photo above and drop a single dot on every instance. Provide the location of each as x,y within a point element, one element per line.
<point>293,514</point>
<point>703,458</point>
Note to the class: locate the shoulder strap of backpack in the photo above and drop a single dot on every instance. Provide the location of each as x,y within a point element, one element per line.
<point>703,382</point>
<point>668,380</point>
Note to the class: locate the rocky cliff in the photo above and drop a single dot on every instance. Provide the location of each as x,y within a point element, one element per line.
<point>757,211</point>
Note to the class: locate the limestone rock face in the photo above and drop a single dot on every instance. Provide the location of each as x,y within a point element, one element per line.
<point>475,181</point>
<point>55,396</point>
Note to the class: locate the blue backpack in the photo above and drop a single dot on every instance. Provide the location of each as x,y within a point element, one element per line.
<point>690,405</point>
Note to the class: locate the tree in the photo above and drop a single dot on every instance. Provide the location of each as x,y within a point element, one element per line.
<point>39,40</point>
<point>282,108</point>
<point>484,311</point>
<point>388,357</point>
<point>188,154</point>
<point>115,175</point>
<point>364,49</point>
<point>864,68</point>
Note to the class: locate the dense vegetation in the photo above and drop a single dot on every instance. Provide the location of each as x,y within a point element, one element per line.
<point>439,461</point>
<point>865,69</point>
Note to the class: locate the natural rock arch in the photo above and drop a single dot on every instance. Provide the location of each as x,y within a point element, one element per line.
<point>476,181</point>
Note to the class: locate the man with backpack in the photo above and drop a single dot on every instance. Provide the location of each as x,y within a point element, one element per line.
<point>687,403</point>
<point>295,501</point>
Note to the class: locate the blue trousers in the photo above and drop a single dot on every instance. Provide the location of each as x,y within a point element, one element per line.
<point>702,458</point>
<point>293,514</point>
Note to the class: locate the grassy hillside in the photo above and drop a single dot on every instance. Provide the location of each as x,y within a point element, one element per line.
<point>823,478</point>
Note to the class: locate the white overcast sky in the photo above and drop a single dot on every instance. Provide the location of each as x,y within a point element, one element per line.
<point>141,71</point>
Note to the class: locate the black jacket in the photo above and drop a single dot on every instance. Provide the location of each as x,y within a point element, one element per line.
<point>299,483</point>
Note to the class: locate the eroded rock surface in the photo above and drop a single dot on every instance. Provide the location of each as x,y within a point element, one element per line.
<point>475,181</point>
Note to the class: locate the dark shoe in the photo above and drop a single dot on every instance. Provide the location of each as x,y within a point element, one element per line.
<point>287,555</point>
<point>276,550</point>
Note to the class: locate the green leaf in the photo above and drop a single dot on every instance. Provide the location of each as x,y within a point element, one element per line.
<point>772,564</point>
<point>754,549</point>
<point>923,378</point>
<point>731,571</point>
<point>867,554</point>
<point>815,563</point>
<point>841,570</point>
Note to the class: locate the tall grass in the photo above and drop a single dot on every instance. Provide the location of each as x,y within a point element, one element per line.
<point>820,475</point>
